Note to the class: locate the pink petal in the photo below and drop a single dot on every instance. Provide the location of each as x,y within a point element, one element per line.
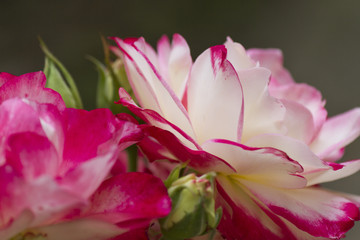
<point>32,155</point>
<point>18,116</point>
<point>4,77</point>
<point>85,133</point>
<point>336,133</point>
<point>200,160</point>
<point>23,221</point>
<point>154,119</point>
<point>314,210</point>
<point>42,196</point>
<point>277,169</point>
<point>140,83</point>
<point>215,97</point>
<point>305,95</point>
<point>271,59</point>
<point>244,218</point>
<point>164,48</point>
<point>150,89</point>
<point>84,178</point>
<point>30,86</point>
<point>179,65</point>
<point>130,198</point>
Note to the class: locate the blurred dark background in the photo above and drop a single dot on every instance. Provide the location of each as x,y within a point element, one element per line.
<point>320,40</point>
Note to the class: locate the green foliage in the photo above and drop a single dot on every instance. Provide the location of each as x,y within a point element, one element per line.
<point>59,79</point>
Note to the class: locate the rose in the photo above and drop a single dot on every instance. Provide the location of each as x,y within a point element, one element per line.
<point>269,148</point>
<point>54,162</point>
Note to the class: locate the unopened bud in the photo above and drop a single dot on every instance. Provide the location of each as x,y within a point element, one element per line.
<point>193,207</point>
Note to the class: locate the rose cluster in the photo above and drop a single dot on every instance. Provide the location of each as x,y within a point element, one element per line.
<point>231,147</point>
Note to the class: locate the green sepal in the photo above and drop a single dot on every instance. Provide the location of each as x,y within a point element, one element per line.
<point>104,93</point>
<point>174,175</point>
<point>59,79</point>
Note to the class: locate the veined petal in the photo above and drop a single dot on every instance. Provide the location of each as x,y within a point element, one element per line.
<point>263,165</point>
<point>314,210</point>
<point>215,98</point>
<point>271,59</point>
<point>151,90</point>
<point>336,133</point>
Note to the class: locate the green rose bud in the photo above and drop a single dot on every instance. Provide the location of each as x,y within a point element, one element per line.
<point>193,207</point>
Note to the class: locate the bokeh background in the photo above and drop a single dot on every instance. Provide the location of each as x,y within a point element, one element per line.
<point>320,40</point>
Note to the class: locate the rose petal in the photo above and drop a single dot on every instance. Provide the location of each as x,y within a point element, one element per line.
<point>130,197</point>
<point>336,133</point>
<point>263,165</point>
<point>151,90</point>
<point>30,86</point>
<point>271,59</point>
<point>314,210</point>
<point>215,80</point>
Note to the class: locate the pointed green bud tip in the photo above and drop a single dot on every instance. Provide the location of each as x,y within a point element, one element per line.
<point>193,207</point>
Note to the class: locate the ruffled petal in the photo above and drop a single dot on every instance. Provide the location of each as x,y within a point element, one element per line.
<point>295,149</point>
<point>305,95</point>
<point>150,89</point>
<point>337,171</point>
<point>128,199</point>
<point>237,55</point>
<point>200,160</point>
<point>319,212</point>
<point>263,113</point>
<point>32,155</point>
<point>244,218</point>
<point>215,99</point>
<point>175,62</point>
<point>271,59</point>
<point>336,133</point>
<point>29,86</point>
<point>263,165</point>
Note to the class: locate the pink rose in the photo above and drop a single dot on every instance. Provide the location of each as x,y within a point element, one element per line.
<point>54,164</point>
<point>241,115</point>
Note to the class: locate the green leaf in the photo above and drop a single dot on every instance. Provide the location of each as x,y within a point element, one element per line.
<point>55,81</point>
<point>174,175</point>
<point>104,93</point>
<point>59,79</point>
